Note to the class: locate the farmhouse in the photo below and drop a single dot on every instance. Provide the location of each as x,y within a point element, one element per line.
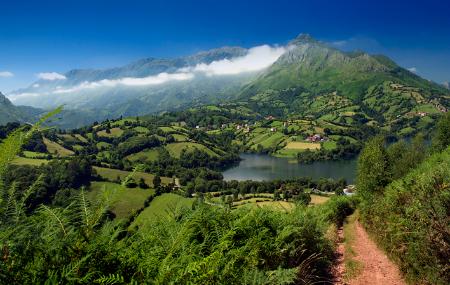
<point>316,138</point>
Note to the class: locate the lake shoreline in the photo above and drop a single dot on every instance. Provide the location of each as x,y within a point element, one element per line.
<point>264,167</point>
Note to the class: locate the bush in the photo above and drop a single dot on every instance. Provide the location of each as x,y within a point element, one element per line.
<point>338,208</point>
<point>411,221</point>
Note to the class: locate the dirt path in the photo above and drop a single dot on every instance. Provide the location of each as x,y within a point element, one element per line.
<point>376,268</point>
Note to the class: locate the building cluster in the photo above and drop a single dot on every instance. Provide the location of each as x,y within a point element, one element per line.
<point>316,138</point>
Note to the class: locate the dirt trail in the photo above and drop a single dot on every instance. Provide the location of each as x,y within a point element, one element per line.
<point>376,269</point>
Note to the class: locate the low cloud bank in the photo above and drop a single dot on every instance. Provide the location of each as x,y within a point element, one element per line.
<point>256,59</point>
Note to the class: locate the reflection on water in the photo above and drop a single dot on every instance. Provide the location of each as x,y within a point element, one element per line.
<point>264,167</point>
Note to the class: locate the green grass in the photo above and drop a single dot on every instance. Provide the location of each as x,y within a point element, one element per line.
<point>273,140</point>
<point>166,129</point>
<point>122,122</point>
<point>77,147</point>
<point>126,200</point>
<point>352,266</point>
<point>33,154</point>
<point>161,206</point>
<point>329,145</point>
<point>175,148</point>
<point>112,174</point>
<point>141,130</point>
<point>81,138</point>
<point>29,161</point>
<point>55,148</point>
<point>145,155</point>
<point>103,145</point>
<point>180,137</point>
<point>115,133</point>
<point>273,205</point>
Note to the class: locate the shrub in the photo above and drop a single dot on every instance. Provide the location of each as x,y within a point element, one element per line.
<point>411,221</point>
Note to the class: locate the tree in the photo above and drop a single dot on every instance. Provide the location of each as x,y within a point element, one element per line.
<point>156,181</point>
<point>373,170</point>
<point>142,184</point>
<point>441,139</point>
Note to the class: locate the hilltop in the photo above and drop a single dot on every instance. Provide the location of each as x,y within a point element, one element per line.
<point>305,78</point>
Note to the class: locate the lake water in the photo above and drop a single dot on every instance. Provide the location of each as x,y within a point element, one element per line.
<point>265,167</point>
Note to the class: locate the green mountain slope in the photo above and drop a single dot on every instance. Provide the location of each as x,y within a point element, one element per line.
<point>316,80</point>
<point>12,113</point>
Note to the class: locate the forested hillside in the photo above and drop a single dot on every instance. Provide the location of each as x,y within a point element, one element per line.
<point>174,220</point>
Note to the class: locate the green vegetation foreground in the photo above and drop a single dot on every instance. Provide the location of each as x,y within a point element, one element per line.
<point>82,244</point>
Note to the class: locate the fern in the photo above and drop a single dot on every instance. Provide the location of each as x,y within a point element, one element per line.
<point>111,279</point>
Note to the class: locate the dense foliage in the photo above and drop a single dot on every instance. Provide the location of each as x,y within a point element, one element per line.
<point>406,202</point>
<point>82,243</point>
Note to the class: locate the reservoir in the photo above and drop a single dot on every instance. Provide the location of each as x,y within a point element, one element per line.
<point>261,167</point>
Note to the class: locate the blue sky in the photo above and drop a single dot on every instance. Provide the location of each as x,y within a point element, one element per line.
<point>56,36</point>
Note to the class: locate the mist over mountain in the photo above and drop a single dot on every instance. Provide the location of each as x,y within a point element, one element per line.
<point>279,80</point>
<point>12,113</point>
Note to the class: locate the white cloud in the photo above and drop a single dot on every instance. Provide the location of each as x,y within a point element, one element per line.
<point>412,69</point>
<point>127,81</point>
<point>50,76</point>
<point>15,97</point>
<point>36,85</point>
<point>256,59</point>
<point>6,74</point>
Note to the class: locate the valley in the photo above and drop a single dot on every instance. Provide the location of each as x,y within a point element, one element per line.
<point>292,163</point>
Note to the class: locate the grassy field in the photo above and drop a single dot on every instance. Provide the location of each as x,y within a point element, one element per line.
<point>167,129</point>
<point>126,200</point>
<point>161,206</point>
<point>175,148</point>
<point>103,145</point>
<point>115,133</point>
<point>112,174</point>
<point>81,138</point>
<point>142,130</point>
<point>317,200</point>
<point>29,161</point>
<point>55,148</point>
<point>180,137</point>
<point>302,145</point>
<point>33,154</point>
<point>146,155</point>
<point>274,205</point>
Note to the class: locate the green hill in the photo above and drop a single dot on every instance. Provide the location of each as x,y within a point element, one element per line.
<point>315,80</point>
<point>12,113</point>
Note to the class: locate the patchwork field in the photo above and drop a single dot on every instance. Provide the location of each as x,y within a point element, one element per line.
<point>29,161</point>
<point>317,199</point>
<point>33,154</point>
<point>144,156</point>
<point>112,174</point>
<point>55,148</point>
<point>114,133</point>
<point>175,148</point>
<point>125,200</point>
<point>274,205</point>
<point>302,145</point>
<point>161,206</point>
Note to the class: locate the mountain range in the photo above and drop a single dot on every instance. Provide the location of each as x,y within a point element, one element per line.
<point>303,78</point>
<point>12,113</point>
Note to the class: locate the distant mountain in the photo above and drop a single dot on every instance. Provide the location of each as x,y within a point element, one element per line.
<point>12,113</point>
<point>314,79</point>
<point>291,81</point>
